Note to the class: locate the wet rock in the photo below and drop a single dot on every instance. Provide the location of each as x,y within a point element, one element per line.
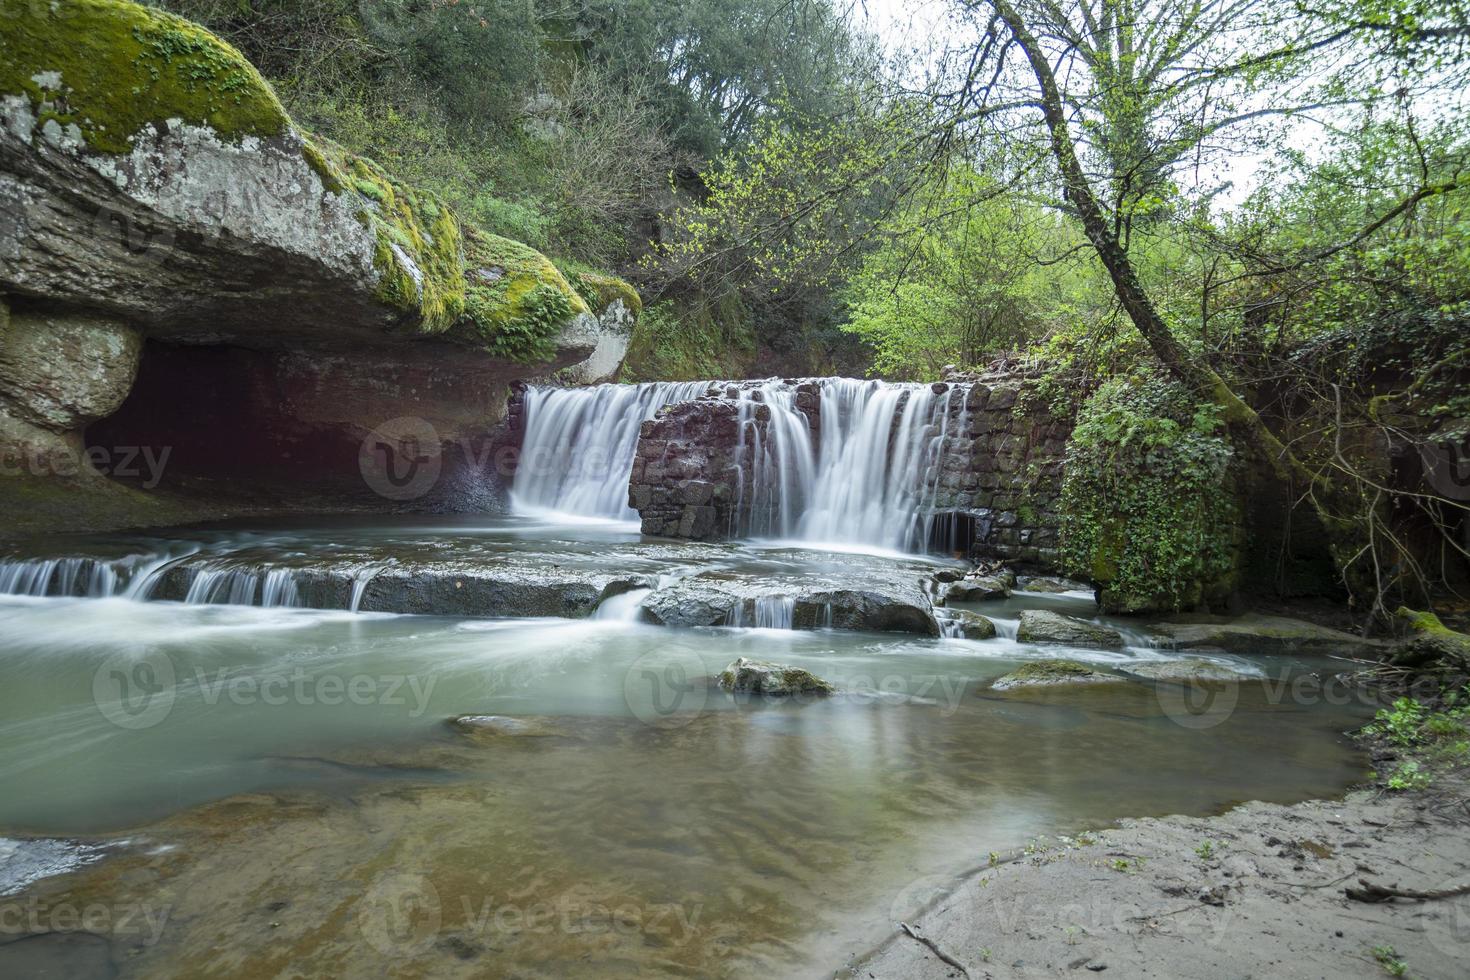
<point>971,625</point>
<point>1044,626</point>
<point>1048,673</point>
<point>1185,670</point>
<point>24,862</point>
<point>978,589</point>
<point>881,604</point>
<point>1050,584</point>
<point>773,680</point>
<point>503,726</point>
<point>1263,634</point>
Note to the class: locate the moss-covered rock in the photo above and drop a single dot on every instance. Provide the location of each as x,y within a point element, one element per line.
<point>1047,673</point>
<point>101,71</point>
<point>599,290</point>
<point>1044,626</point>
<point>418,248</point>
<point>1430,643</point>
<point>773,680</point>
<point>517,300</point>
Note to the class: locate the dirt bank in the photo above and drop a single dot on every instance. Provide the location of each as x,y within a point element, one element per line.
<point>1255,892</point>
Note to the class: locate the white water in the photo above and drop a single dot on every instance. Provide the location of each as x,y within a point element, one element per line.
<point>870,481</point>
<point>579,445</point>
<point>868,478</point>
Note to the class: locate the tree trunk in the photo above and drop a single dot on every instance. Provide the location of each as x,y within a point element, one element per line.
<point>1249,432</point>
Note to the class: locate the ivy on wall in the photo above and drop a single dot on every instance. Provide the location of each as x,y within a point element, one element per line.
<point>1149,507</point>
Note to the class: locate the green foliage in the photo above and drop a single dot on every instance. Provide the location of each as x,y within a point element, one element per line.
<point>1388,958</point>
<point>1148,510</point>
<point>690,342</point>
<point>955,281</point>
<point>1408,722</point>
<point>105,69</point>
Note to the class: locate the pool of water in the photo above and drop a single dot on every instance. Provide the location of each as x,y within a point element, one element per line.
<point>661,825</point>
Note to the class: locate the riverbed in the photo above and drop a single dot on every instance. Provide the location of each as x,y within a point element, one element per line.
<point>279,785</point>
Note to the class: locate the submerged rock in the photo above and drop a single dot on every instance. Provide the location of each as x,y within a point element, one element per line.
<point>1185,670</point>
<point>1045,673</point>
<point>774,680</point>
<point>1263,634</point>
<point>1044,626</point>
<point>1050,584</point>
<point>504,726</point>
<point>970,625</point>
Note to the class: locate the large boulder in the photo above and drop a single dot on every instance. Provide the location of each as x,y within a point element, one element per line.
<point>967,624</point>
<point>1044,626</point>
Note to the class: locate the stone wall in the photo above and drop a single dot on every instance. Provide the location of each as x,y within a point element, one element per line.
<point>996,494</point>
<point>1003,480</point>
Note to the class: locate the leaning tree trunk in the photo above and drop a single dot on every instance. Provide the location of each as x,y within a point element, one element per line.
<point>1340,521</point>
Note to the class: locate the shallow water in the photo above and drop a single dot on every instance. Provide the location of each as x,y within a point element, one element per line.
<point>761,837</point>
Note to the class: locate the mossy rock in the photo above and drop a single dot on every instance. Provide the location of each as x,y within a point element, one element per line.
<point>599,290</point>
<point>1047,673</point>
<point>971,625</point>
<point>1430,643</point>
<point>517,300</point>
<point>103,70</point>
<point>1045,626</point>
<point>773,680</point>
<point>419,244</point>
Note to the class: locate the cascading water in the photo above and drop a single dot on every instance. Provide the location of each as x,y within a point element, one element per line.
<point>871,479</point>
<point>579,445</point>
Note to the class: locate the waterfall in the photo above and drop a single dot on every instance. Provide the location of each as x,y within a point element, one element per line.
<point>830,461</point>
<point>873,476</point>
<point>579,445</point>
<point>83,577</point>
<point>770,612</point>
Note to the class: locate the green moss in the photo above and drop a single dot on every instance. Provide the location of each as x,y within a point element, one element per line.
<point>1150,510</point>
<point>517,301</point>
<point>413,230</point>
<point>599,290</point>
<point>1051,670</point>
<point>110,69</point>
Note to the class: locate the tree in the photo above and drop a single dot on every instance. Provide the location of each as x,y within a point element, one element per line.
<point>1125,91</point>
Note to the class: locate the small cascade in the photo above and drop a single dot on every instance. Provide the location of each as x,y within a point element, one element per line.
<point>76,577</point>
<point>279,588</point>
<point>623,607</point>
<point>579,445</point>
<point>275,587</point>
<point>360,582</point>
<point>767,612</point>
<point>870,475</point>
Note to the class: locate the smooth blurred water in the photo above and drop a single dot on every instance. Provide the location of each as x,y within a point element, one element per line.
<point>794,826</point>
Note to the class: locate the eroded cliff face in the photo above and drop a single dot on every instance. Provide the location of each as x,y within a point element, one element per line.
<point>159,208</point>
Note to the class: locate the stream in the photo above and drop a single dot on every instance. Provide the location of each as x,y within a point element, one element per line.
<point>280,782</point>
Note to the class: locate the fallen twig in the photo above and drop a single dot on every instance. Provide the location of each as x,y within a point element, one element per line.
<point>1371,892</point>
<point>934,948</point>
